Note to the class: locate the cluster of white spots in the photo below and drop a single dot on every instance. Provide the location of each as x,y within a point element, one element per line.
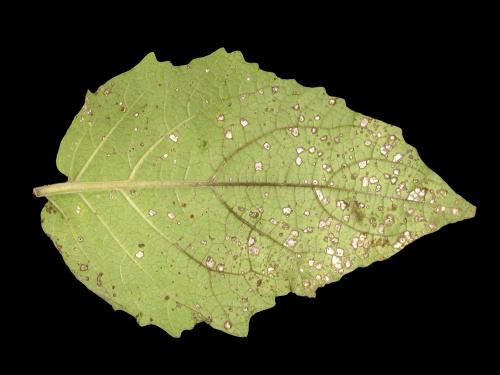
<point>78,209</point>
<point>248,78</point>
<point>440,209</point>
<point>273,221</point>
<point>296,107</point>
<point>251,241</point>
<point>298,161</point>
<point>336,262</point>
<point>329,250</point>
<point>362,164</point>
<point>327,168</point>
<point>389,219</point>
<point>317,117</point>
<point>454,211</point>
<point>321,196</point>
<point>220,267</point>
<point>364,122</point>
<point>359,241</point>
<point>310,262</point>
<point>266,146</point>
<point>220,117</point>
<point>139,254</point>
<point>373,180</point>
<point>383,150</point>
<point>340,252</point>
<point>275,89</point>
<point>341,204</point>
<point>308,229</point>
<point>324,138</point>
<point>287,210</point>
<point>290,242</point>
<point>136,114</point>
<point>259,166</point>
<point>331,101</point>
<point>302,118</point>
<point>396,171</point>
<point>207,70</point>
<point>312,150</point>
<point>84,267</point>
<point>368,142</point>
<point>173,137</point>
<point>203,242</point>
<point>402,240</point>
<point>397,158</point>
<point>243,122</point>
<point>152,212</point>
<point>314,130</point>
<point>228,134</point>
<point>164,156</point>
<point>253,250</point>
<point>227,325</point>
<point>294,132</point>
<point>171,215</point>
<point>331,237</point>
<point>299,150</point>
<point>107,92</point>
<point>270,269</point>
<point>365,181</point>
<point>210,262</point>
<point>325,223</point>
<point>136,129</point>
<point>380,229</point>
<point>417,195</point>
<point>261,91</point>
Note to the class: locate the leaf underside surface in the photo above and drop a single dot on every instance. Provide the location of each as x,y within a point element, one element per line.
<point>201,192</point>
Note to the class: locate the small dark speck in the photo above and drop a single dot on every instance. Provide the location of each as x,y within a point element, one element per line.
<point>141,245</point>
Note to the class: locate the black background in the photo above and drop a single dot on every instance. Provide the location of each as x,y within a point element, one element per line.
<point>423,305</point>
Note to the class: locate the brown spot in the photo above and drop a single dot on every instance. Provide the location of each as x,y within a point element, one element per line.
<point>99,279</point>
<point>191,216</point>
<point>259,282</point>
<point>141,245</point>
<point>167,298</point>
<point>49,207</point>
<point>357,212</point>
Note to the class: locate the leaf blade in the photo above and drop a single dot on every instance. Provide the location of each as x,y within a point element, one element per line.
<point>202,192</point>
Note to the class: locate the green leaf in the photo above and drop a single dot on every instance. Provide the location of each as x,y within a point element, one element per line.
<point>202,192</point>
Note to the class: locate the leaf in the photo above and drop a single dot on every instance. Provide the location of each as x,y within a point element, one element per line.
<point>202,192</point>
